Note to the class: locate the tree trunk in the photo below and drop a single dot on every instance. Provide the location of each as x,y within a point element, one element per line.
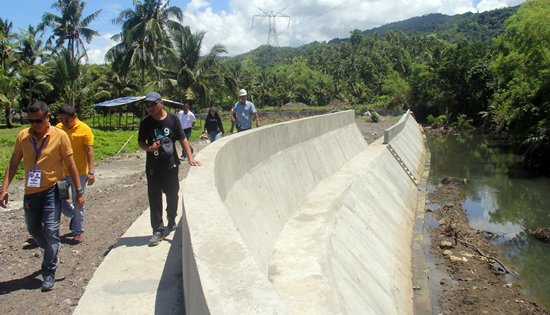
<point>9,117</point>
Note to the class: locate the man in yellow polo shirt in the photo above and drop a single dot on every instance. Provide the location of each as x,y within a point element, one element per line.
<point>43,149</point>
<point>82,141</point>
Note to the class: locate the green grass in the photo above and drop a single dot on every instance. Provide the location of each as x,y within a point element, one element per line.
<point>107,143</point>
<point>7,142</point>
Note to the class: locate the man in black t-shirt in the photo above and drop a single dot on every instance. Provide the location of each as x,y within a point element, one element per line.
<point>158,133</point>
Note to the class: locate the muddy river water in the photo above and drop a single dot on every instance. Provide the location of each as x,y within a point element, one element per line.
<point>500,200</point>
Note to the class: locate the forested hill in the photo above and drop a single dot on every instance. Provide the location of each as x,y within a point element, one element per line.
<point>469,26</point>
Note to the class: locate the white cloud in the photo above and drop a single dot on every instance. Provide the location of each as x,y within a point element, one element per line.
<point>99,47</point>
<point>310,20</point>
<point>486,5</point>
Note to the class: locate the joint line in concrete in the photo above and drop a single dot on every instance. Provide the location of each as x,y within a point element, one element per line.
<point>403,166</point>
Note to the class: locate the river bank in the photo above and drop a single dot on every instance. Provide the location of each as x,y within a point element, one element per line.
<point>467,276</point>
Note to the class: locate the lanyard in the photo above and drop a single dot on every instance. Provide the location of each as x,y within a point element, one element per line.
<point>37,150</point>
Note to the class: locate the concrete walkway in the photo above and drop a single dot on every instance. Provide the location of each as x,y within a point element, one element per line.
<point>135,278</point>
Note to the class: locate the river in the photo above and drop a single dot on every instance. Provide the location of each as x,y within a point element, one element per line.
<point>500,203</point>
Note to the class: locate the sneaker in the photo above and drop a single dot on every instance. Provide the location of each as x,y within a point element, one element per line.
<point>49,283</point>
<point>78,238</point>
<point>155,240</point>
<point>170,229</point>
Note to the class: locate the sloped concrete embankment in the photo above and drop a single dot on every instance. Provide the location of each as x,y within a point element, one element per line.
<point>302,217</point>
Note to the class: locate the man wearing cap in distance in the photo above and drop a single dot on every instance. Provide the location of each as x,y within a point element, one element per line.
<point>157,135</point>
<point>43,150</point>
<point>243,111</point>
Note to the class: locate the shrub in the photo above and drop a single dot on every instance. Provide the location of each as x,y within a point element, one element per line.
<point>375,117</point>
<point>438,121</point>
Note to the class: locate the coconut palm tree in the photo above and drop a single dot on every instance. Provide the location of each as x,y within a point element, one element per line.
<point>9,82</point>
<point>6,46</point>
<point>66,74</point>
<point>70,26</point>
<point>144,36</point>
<point>192,76</point>
<point>29,52</point>
<point>30,48</point>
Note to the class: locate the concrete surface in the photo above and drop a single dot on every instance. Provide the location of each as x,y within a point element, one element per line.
<point>135,278</point>
<point>303,217</point>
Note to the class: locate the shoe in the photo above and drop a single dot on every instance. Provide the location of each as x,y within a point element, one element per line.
<point>78,238</point>
<point>170,229</point>
<point>155,240</point>
<point>49,283</point>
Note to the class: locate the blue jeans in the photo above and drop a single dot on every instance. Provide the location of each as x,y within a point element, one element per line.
<point>42,215</point>
<point>68,208</point>
<point>187,132</point>
<point>214,135</point>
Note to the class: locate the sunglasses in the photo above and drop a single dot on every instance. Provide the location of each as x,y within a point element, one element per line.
<point>37,121</point>
<point>150,104</point>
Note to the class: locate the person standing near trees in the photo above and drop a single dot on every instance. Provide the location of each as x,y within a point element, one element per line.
<point>243,111</point>
<point>187,120</point>
<point>213,125</point>
<point>157,134</point>
<point>43,149</point>
<point>82,141</point>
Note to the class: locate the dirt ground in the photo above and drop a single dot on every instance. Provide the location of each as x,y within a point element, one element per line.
<point>113,203</point>
<point>119,197</point>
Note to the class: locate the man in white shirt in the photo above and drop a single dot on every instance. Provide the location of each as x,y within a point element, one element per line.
<point>187,120</point>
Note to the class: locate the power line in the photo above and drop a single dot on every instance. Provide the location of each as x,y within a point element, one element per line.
<point>326,11</point>
<point>271,16</point>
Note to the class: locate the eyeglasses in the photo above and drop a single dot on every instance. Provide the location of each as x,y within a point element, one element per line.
<point>37,121</point>
<point>150,104</point>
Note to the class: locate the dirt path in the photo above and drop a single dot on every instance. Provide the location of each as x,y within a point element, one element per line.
<point>113,203</point>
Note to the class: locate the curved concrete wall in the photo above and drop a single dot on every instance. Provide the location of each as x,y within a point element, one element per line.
<point>301,217</point>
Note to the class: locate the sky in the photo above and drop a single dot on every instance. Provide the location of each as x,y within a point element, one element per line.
<point>243,25</point>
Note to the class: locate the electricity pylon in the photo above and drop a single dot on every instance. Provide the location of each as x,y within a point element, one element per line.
<point>271,15</point>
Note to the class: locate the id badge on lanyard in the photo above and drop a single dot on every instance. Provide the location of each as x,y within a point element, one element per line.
<point>35,175</point>
<point>34,178</point>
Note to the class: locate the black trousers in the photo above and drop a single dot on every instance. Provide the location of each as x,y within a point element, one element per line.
<point>158,182</point>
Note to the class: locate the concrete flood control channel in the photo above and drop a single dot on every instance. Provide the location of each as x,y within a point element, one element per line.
<point>301,217</point>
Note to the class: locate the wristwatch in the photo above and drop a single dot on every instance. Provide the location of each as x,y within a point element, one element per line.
<point>91,172</point>
<point>80,190</point>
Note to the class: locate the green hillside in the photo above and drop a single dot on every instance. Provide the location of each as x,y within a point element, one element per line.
<point>468,26</point>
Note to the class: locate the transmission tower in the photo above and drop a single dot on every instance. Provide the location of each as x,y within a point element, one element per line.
<point>271,16</point>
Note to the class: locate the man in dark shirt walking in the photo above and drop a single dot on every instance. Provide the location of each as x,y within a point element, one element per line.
<point>157,135</point>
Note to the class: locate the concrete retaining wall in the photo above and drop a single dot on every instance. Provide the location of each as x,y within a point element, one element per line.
<point>301,217</point>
